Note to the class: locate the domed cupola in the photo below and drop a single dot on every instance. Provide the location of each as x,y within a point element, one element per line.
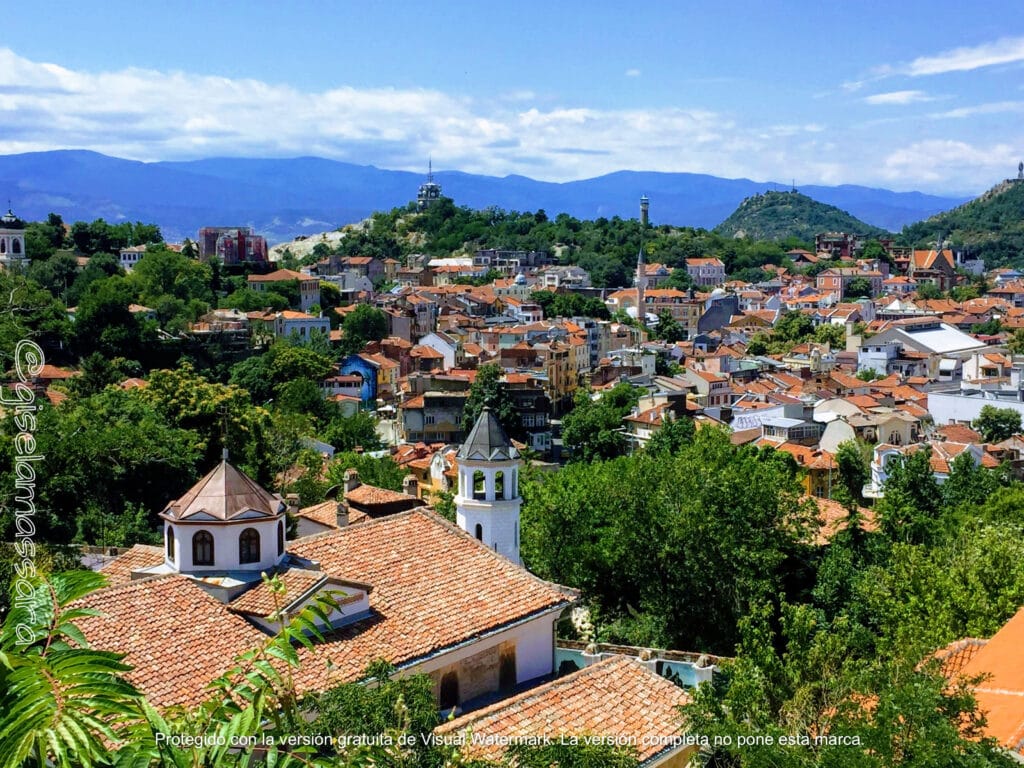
<point>225,523</point>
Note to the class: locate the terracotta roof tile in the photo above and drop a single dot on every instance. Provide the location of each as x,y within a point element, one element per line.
<point>420,605</point>
<point>325,513</point>
<point>119,570</point>
<point>617,696</point>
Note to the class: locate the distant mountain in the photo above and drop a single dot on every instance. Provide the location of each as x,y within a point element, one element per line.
<point>304,195</point>
<point>778,215</point>
<point>990,227</point>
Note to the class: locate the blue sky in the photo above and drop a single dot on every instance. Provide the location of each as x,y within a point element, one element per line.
<point>905,95</point>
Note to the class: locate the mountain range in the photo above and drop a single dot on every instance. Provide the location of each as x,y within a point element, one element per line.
<point>283,198</point>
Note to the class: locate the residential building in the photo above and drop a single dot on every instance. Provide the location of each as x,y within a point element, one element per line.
<point>935,267</point>
<point>232,245</point>
<point>706,272</point>
<point>309,286</point>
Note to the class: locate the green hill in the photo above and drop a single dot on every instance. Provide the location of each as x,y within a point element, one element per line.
<point>778,215</point>
<point>990,227</point>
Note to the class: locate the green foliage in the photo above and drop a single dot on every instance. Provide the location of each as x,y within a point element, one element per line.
<point>403,704</point>
<point>671,436</point>
<point>669,329</point>
<point>854,471</point>
<point>990,227</point>
<point>382,472</point>
<point>570,755</point>
<point>928,291</point>
<point>162,272</point>
<point>347,433</point>
<point>105,324</point>
<point>104,456</point>
<point>680,280</point>
<point>594,429</point>
<point>831,334</point>
<point>489,390</point>
<point>1015,344</point>
<point>990,327</point>
<point>363,324</point>
<point>997,424</point>
<point>793,327</point>
<point>570,305</point>
<point>777,215</point>
<point>868,374</point>
<point>643,535</point>
<point>858,288</point>
<point>61,703</point>
<point>28,313</point>
<point>909,512</point>
<point>221,415</point>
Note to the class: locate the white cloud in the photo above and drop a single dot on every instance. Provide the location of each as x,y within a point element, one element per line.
<point>992,108</point>
<point>1003,51</point>
<point>633,72</point>
<point>937,160</point>
<point>145,114</point>
<point>898,97</point>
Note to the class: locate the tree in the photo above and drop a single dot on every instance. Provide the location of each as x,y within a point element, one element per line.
<point>997,424</point>
<point>672,435</point>
<point>793,327</point>
<point>594,430</point>
<point>363,324</point>
<point>868,374</point>
<point>854,472</point>
<point>680,280</point>
<point>858,288</point>
<point>346,433</point>
<point>1015,344</point>
<point>105,324</point>
<point>831,334</point>
<point>382,472</point>
<point>909,511</point>
<point>669,329</point>
<point>928,291</point>
<point>489,390</point>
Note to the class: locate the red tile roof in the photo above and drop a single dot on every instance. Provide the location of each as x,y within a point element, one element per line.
<point>178,638</point>
<point>617,696</point>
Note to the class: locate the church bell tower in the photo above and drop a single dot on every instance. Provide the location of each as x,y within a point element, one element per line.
<point>487,504</point>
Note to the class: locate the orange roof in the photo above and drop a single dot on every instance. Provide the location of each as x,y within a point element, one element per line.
<point>421,605</point>
<point>833,517</point>
<point>1001,695</point>
<point>371,495</point>
<point>617,696</point>
<point>278,276</point>
<point>325,513</point>
<point>119,570</point>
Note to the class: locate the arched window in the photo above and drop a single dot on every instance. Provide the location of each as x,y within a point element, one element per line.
<point>479,488</point>
<point>3,246</point>
<point>479,532</point>
<point>202,548</point>
<point>499,485</point>
<point>249,546</point>
<point>280,538</point>
<point>15,245</point>
<point>449,694</point>
<point>170,543</point>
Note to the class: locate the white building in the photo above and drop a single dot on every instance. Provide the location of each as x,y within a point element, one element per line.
<point>130,256</point>
<point>12,242</point>
<point>487,504</point>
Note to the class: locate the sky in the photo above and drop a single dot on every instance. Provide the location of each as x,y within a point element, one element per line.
<point>900,94</point>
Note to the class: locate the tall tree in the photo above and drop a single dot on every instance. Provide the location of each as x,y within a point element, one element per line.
<point>489,390</point>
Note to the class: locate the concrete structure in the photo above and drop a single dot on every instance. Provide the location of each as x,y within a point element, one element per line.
<point>309,286</point>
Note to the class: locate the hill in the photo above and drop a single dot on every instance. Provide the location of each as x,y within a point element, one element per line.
<point>283,198</point>
<point>778,215</point>
<point>990,227</point>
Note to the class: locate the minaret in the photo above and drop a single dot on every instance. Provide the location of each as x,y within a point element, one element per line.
<point>641,286</point>
<point>487,504</point>
<point>645,204</point>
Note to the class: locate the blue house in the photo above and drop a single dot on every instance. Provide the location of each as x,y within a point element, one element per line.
<point>366,369</point>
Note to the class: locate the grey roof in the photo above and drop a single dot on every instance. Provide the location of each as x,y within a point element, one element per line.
<point>487,440</point>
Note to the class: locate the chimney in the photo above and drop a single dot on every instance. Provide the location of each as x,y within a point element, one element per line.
<point>341,514</point>
<point>410,486</point>
<point>351,479</point>
<point>292,501</point>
